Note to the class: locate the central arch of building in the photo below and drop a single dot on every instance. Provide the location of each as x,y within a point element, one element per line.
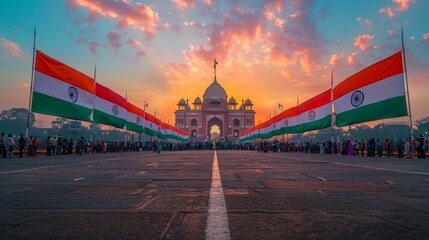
<point>215,121</point>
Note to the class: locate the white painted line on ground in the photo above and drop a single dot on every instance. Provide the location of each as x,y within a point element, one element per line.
<point>322,179</point>
<point>378,168</point>
<point>78,179</point>
<point>217,220</point>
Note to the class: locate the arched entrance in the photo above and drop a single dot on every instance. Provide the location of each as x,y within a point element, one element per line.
<point>215,128</point>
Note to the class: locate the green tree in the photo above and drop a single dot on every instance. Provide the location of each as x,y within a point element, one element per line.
<point>59,123</point>
<point>15,120</point>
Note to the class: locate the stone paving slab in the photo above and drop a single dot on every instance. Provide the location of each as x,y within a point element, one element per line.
<point>143,195</point>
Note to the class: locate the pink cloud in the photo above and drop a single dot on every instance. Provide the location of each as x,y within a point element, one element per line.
<point>364,42</point>
<point>182,4</point>
<point>140,54</point>
<point>388,11</point>
<point>391,33</point>
<point>12,49</point>
<point>127,15</point>
<point>194,24</point>
<point>365,21</point>
<point>93,48</point>
<point>133,43</point>
<point>426,36</point>
<point>114,40</point>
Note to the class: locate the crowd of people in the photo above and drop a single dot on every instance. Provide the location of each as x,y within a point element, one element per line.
<point>32,145</point>
<point>29,146</point>
<point>371,147</point>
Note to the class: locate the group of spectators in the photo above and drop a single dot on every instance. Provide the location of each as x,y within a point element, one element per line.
<point>8,145</point>
<point>29,146</point>
<point>371,148</point>
<point>63,146</point>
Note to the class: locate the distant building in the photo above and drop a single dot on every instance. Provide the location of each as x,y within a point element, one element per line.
<point>215,110</point>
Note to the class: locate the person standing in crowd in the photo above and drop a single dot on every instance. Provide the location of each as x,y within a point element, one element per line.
<point>21,145</point>
<point>379,148</point>
<point>10,145</point>
<point>420,147</point>
<point>350,147</point>
<point>70,146</point>
<point>409,148</point>
<point>48,146</point>
<point>81,145</point>
<point>29,151</point>
<point>362,147</point>
<point>388,148</point>
<point>64,144</point>
<point>35,145</point>
<point>2,145</point>
<point>400,148</point>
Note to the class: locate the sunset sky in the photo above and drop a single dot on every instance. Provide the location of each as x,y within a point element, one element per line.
<point>160,51</point>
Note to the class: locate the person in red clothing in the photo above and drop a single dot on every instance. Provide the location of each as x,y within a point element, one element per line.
<point>35,145</point>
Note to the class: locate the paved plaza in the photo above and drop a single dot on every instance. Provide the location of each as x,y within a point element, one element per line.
<point>203,195</point>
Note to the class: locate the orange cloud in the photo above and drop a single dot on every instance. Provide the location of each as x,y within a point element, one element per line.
<point>403,5</point>
<point>182,4</point>
<point>12,49</point>
<point>352,60</point>
<point>364,42</point>
<point>336,58</point>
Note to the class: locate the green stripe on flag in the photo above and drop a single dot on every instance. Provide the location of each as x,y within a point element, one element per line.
<point>134,127</point>
<point>53,106</point>
<point>389,108</point>
<point>315,125</point>
<point>104,118</point>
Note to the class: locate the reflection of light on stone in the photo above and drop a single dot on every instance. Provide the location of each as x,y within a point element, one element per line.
<point>217,220</point>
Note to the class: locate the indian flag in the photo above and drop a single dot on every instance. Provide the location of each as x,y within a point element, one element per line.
<point>109,107</point>
<point>376,92</point>
<point>288,121</point>
<point>60,90</point>
<point>152,126</point>
<point>135,118</point>
<point>315,113</point>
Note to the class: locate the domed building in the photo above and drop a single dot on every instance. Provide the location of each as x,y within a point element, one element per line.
<point>214,116</point>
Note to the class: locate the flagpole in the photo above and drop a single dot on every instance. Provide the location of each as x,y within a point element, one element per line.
<point>406,82</point>
<point>95,76</point>
<point>332,107</point>
<point>297,117</point>
<point>31,85</point>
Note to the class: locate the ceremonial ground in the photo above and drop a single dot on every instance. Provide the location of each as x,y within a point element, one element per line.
<point>208,195</point>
